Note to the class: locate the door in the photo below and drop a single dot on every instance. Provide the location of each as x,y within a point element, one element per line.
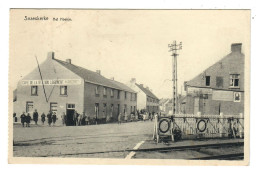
<point>196,105</point>
<point>69,113</point>
<point>118,109</point>
<point>96,110</point>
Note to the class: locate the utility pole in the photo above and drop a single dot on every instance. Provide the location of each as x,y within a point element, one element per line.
<point>174,48</point>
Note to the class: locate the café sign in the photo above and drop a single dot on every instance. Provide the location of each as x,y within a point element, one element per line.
<point>51,82</point>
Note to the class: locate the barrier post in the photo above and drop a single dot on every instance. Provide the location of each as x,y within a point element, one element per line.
<point>172,129</point>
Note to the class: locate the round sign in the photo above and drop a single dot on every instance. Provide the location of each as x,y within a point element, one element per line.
<point>202,125</point>
<point>164,125</point>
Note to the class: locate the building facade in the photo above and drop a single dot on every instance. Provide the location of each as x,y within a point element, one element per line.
<point>68,88</point>
<point>146,100</point>
<point>219,88</point>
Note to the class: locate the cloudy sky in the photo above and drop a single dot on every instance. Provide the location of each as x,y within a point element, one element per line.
<point>127,44</point>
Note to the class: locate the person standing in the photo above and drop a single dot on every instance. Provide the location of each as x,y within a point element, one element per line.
<point>49,117</point>
<point>43,118</point>
<point>28,120</point>
<point>63,117</point>
<point>54,118</point>
<point>119,118</point>
<point>87,120</point>
<point>35,116</point>
<point>23,119</point>
<point>80,116</point>
<point>75,118</point>
<point>125,116</point>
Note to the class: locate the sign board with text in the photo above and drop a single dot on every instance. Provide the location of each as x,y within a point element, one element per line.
<point>51,82</point>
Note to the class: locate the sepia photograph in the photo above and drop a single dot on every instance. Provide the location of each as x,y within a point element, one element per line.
<point>150,87</point>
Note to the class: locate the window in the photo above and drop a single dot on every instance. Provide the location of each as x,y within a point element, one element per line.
<point>97,91</point>
<point>112,93</point>
<point>63,90</point>
<point>131,97</point>
<point>29,106</point>
<point>34,90</point>
<point>207,80</point>
<point>104,109</point>
<point>234,80</point>
<point>125,95</point>
<point>70,106</point>
<point>118,94</point>
<point>105,91</point>
<point>53,107</point>
<point>219,82</point>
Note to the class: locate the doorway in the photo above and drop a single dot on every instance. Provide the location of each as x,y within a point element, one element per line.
<point>69,113</point>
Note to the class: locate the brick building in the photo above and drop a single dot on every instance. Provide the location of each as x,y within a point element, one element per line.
<point>146,100</point>
<point>69,87</point>
<point>219,88</point>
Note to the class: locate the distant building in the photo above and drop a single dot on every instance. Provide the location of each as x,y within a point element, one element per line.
<point>166,105</point>
<point>146,100</point>
<point>69,87</point>
<point>162,104</point>
<point>219,88</point>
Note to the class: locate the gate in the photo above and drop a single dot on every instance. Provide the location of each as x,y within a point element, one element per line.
<point>190,126</point>
<point>210,126</point>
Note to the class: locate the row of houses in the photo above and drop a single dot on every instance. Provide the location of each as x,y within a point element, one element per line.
<point>217,89</point>
<point>62,87</point>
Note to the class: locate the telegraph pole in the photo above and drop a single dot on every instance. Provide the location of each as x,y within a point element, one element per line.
<point>174,48</point>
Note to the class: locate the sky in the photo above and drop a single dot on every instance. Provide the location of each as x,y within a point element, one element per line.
<point>128,44</point>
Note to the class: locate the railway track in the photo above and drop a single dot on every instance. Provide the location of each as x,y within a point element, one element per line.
<point>230,156</point>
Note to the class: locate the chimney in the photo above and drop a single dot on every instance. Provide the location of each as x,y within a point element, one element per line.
<point>112,78</point>
<point>142,85</point>
<point>236,47</point>
<point>68,61</point>
<point>133,80</point>
<point>98,71</point>
<point>50,55</point>
<point>147,87</point>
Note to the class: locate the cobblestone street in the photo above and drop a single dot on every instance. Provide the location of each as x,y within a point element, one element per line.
<point>80,141</point>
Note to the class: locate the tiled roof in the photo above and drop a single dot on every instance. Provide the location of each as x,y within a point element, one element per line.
<point>146,91</point>
<point>94,77</point>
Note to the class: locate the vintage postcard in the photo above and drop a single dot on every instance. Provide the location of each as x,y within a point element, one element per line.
<point>144,87</point>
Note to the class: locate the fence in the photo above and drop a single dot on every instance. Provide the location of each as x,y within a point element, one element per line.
<point>209,126</point>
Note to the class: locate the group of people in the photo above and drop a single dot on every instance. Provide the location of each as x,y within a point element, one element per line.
<point>26,118</point>
<point>78,119</point>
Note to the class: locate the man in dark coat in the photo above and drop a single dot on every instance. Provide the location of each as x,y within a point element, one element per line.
<point>75,118</point>
<point>54,118</point>
<point>43,118</point>
<point>49,116</point>
<point>28,120</point>
<point>35,116</point>
<point>23,119</point>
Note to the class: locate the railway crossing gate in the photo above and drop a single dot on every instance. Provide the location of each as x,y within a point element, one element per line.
<point>163,127</point>
<point>197,126</point>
